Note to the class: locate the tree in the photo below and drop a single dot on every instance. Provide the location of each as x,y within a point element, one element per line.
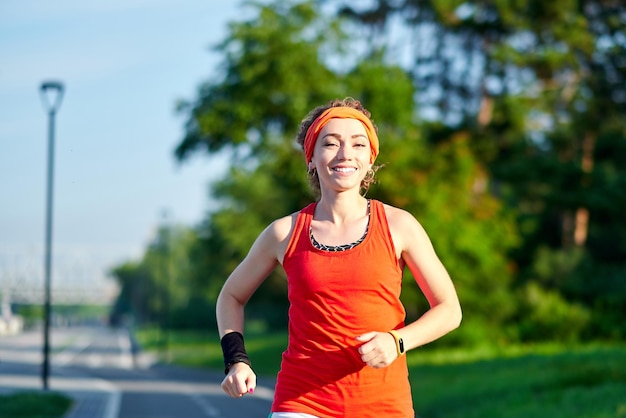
<point>540,85</point>
<point>160,288</point>
<point>278,66</point>
<point>502,131</point>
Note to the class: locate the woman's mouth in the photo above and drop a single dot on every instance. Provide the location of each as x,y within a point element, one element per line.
<point>344,170</point>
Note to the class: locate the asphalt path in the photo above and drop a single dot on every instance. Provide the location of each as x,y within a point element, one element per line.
<point>97,366</point>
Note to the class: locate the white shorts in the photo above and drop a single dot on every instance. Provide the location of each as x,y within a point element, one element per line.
<point>290,415</point>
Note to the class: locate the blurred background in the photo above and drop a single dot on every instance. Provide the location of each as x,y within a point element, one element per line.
<point>503,129</point>
<point>124,64</point>
<point>502,125</point>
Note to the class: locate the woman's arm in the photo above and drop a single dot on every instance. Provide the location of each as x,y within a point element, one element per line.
<point>242,283</point>
<point>419,255</point>
<point>239,287</point>
<point>415,249</point>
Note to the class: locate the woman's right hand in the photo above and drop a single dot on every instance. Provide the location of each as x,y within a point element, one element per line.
<point>239,380</point>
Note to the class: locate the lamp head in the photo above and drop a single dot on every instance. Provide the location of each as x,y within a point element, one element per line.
<point>52,95</point>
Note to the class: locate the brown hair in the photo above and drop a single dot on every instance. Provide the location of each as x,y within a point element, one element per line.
<point>306,123</point>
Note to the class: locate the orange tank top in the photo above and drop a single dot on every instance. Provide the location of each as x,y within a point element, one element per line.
<point>334,297</point>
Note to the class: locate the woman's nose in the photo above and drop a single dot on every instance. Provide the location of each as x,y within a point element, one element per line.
<point>345,153</point>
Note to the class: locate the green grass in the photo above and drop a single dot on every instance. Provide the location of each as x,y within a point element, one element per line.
<point>537,381</point>
<point>203,350</point>
<point>34,405</point>
<point>580,382</point>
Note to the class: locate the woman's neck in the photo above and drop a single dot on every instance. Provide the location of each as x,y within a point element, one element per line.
<point>341,208</point>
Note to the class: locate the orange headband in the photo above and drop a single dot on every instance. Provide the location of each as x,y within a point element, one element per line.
<point>339,113</point>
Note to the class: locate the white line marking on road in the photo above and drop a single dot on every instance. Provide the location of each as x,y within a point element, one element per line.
<point>67,356</point>
<point>126,356</point>
<point>207,408</point>
<point>112,409</point>
<point>94,361</point>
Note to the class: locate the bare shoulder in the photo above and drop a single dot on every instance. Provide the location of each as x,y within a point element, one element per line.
<point>399,218</point>
<point>281,228</point>
<point>404,227</point>
<point>276,236</point>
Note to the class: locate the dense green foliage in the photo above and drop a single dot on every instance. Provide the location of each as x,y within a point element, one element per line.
<point>34,405</point>
<point>502,130</point>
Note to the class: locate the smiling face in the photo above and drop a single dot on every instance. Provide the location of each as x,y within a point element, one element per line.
<point>341,155</point>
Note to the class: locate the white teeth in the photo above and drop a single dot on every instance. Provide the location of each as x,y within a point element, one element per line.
<point>345,169</point>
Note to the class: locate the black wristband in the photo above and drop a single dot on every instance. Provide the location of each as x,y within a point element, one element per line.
<point>234,350</point>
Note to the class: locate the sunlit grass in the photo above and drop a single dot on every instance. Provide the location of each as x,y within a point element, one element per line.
<point>529,381</point>
<point>195,349</point>
<point>525,382</point>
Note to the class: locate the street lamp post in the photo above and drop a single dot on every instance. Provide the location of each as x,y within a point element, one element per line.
<point>51,96</point>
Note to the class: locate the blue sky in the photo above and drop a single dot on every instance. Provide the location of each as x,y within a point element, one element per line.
<point>124,64</point>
